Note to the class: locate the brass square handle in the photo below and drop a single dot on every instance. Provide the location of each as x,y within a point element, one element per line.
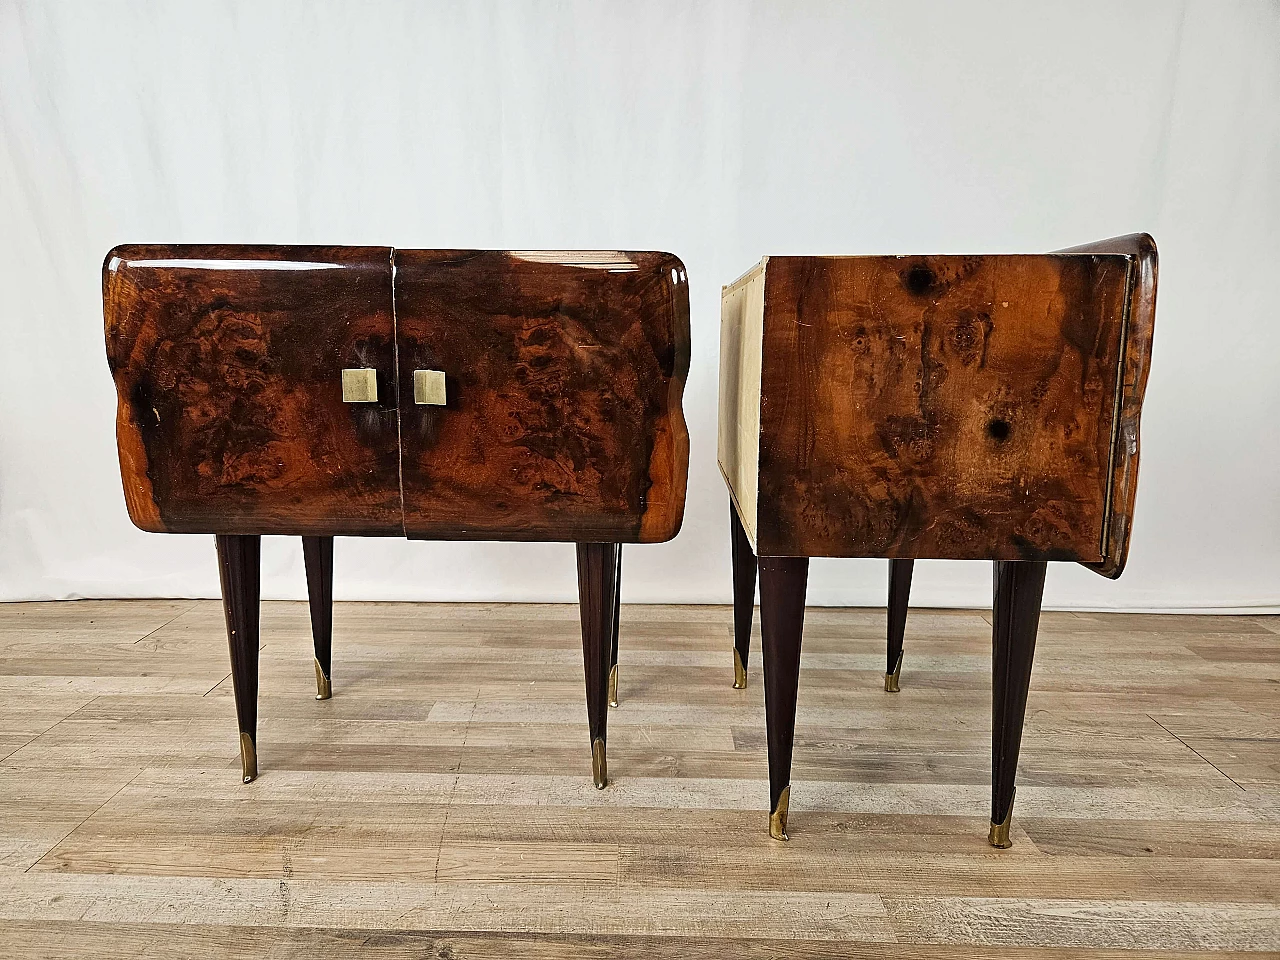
<point>360,385</point>
<point>428,387</point>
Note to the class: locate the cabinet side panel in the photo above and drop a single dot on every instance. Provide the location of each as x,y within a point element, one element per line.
<point>741,329</point>
<point>227,362</point>
<point>564,373</point>
<point>947,407</point>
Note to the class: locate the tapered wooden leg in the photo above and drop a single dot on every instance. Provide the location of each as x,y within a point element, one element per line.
<point>317,554</point>
<point>783,582</point>
<point>239,566</point>
<point>1019,587</point>
<point>899,599</point>
<point>744,595</point>
<point>597,588</point>
<point>617,616</point>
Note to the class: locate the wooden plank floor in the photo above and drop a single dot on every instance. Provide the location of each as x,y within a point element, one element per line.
<point>440,805</point>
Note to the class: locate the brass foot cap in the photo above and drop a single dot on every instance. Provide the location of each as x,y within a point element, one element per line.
<point>778,819</point>
<point>599,767</point>
<point>891,679</point>
<point>324,686</point>
<point>739,671</point>
<point>613,686</point>
<point>248,758</point>
<point>999,835</point>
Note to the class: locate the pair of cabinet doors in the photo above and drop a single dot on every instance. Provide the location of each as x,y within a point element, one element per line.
<point>367,391</point>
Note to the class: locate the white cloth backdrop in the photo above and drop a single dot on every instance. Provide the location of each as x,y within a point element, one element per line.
<point>717,130</point>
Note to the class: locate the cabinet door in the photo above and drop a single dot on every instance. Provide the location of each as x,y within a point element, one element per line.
<point>540,394</point>
<point>228,362</point>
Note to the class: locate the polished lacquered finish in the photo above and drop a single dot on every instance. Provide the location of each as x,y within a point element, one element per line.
<point>1139,329</point>
<point>945,407</point>
<point>564,374</point>
<point>949,406</point>
<point>537,395</point>
<point>228,362</point>
<point>461,394</point>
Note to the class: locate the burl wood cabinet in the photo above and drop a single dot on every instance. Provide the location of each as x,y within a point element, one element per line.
<point>948,407</point>
<point>429,394</point>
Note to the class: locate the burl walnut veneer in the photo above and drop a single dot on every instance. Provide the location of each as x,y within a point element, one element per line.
<point>946,407</point>
<point>433,394</point>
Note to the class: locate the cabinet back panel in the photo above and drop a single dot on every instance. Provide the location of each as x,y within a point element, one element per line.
<point>741,329</point>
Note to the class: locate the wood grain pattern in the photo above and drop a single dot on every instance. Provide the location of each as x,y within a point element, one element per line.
<point>564,376</point>
<point>438,806</point>
<point>1140,322</point>
<point>955,407</point>
<point>227,362</point>
<point>949,407</point>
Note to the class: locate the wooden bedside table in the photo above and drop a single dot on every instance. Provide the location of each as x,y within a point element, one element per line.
<point>433,394</point>
<point>948,407</point>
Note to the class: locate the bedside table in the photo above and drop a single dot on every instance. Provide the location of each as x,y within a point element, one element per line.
<point>947,407</point>
<point>429,394</point>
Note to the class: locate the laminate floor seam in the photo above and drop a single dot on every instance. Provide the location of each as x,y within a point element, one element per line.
<point>193,605</point>
<point>93,814</point>
<point>47,729</point>
<point>448,804</point>
<point>1195,751</point>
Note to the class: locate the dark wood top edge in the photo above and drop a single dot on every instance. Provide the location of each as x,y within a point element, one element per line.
<point>1074,251</point>
<point>1140,245</point>
<point>127,253</point>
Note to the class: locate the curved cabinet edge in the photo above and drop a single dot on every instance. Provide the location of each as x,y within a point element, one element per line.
<point>669,463</point>
<point>1136,363</point>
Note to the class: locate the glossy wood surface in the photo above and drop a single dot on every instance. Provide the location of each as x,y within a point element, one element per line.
<point>1139,329</point>
<point>951,407</point>
<point>227,362</point>
<point>564,373</point>
<point>438,806</point>
<point>563,378</point>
